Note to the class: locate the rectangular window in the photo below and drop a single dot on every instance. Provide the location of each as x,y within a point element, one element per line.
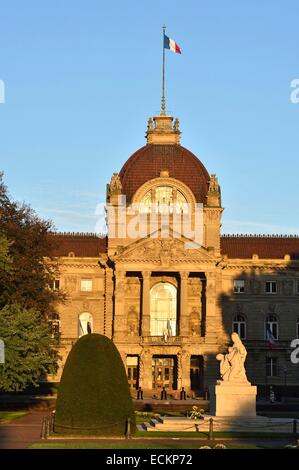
<point>86,285</point>
<point>272,366</point>
<point>271,287</point>
<point>239,286</point>
<point>55,285</point>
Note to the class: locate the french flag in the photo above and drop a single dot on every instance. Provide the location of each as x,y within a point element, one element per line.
<point>270,337</point>
<point>172,45</point>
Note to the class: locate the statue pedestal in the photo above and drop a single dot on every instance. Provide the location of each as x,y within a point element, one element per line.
<point>233,399</point>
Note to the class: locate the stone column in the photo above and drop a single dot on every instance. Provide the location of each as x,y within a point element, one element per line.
<point>184,370</point>
<point>145,325</point>
<point>119,325</point>
<point>184,314</point>
<point>108,302</point>
<point>211,308</point>
<point>145,370</point>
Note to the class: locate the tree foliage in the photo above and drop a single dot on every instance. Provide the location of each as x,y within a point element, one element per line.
<point>28,348</point>
<point>27,270</point>
<point>94,395</point>
<point>5,259</point>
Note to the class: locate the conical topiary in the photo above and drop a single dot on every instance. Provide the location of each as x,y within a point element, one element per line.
<point>94,396</point>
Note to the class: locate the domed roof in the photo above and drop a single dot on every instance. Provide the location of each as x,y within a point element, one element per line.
<point>150,160</point>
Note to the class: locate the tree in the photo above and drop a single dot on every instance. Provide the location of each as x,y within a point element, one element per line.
<point>5,259</point>
<point>30,248</point>
<point>27,270</point>
<point>94,395</point>
<point>28,348</point>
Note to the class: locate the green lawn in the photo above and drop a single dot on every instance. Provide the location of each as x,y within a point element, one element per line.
<point>132,445</point>
<point>204,435</point>
<point>6,416</point>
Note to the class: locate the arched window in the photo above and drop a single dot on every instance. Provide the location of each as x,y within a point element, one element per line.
<point>164,198</point>
<point>85,324</point>
<point>271,328</point>
<point>239,326</point>
<point>163,310</point>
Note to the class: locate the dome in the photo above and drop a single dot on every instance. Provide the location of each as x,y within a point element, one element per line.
<point>150,160</point>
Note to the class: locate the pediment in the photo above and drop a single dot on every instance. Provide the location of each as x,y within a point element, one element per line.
<point>164,251</point>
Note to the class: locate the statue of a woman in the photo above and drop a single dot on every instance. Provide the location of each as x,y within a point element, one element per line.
<point>232,364</point>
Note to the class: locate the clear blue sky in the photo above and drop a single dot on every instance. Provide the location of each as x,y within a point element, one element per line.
<point>82,78</point>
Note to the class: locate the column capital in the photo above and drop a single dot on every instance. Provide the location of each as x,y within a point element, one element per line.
<point>146,274</point>
<point>184,275</point>
<point>210,275</point>
<point>120,275</point>
<point>120,272</point>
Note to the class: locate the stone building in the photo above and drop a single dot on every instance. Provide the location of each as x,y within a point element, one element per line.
<point>170,298</point>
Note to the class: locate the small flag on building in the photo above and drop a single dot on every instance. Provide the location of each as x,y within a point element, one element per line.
<point>169,329</point>
<point>172,45</point>
<point>270,337</point>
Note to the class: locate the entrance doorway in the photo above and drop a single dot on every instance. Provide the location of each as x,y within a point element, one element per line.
<point>132,371</point>
<point>164,372</point>
<point>196,373</point>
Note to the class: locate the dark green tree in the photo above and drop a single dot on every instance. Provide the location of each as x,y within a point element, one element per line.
<point>28,348</point>
<point>94,396</point>
<point>27,303</point>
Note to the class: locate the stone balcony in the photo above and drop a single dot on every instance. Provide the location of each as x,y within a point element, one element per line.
<point>160,341</point>
<point>264,345</point>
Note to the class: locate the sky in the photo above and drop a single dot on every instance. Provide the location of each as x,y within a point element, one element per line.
<point>82,78</point>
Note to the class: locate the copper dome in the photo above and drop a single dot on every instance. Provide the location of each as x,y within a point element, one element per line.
<point>150,160</point>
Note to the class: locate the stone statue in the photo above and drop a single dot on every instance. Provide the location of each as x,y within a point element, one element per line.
<point>115,184</point>
<point>150,125</point>
<point>176,125</point>
<point>214,185</point>
<point>232,364</point>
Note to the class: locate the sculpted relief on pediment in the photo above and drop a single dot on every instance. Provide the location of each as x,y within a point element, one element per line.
<point>162,251</point>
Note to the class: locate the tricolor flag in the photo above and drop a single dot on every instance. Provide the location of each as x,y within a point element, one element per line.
<point>171,44</point>
<point>169,329</point>
<point>270,337</point>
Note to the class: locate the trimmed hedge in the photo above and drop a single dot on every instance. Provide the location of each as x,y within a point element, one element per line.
<point>94,396</point>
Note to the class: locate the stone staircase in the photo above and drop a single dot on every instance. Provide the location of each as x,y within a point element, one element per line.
<point>220,424</point>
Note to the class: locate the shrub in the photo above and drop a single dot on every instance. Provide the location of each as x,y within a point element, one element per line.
<point>94,396</point>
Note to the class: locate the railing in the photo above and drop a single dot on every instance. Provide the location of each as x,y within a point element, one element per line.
<point>48,427</point>
<point>161,340</point>
<point>264,344</point>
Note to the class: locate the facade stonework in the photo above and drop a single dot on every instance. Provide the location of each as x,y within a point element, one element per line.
<point>168,304</point>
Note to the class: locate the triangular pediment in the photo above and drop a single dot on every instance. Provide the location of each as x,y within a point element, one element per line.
<point>165,251</point>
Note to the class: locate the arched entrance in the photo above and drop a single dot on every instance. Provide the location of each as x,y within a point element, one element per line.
<point>163,309</point>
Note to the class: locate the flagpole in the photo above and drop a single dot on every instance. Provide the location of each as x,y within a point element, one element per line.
<point>163,76</point>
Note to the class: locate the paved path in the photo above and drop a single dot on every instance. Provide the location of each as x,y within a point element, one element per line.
<point>22,432</point>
